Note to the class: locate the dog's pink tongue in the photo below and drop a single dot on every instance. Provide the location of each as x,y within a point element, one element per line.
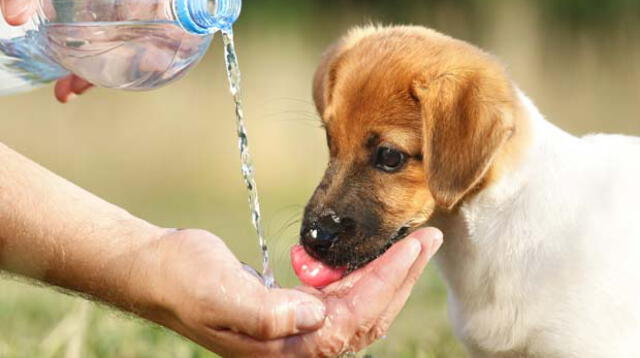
<point>311,271</point>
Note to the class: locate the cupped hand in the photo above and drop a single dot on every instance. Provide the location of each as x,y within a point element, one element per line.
<point>201,291</point>
<point>362,306</point>
<point>17,12</point>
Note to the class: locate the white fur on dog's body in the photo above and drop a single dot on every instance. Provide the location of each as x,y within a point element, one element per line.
<point>545,262</point>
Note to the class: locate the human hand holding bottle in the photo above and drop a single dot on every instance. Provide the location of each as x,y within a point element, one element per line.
<point>17,12</point>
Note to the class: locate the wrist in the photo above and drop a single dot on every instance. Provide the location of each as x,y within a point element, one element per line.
<point>148,284</point>
<point>116,273</point>
<point>140,289</point>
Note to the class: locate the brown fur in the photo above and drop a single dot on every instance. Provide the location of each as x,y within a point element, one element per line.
<point>445,103</point>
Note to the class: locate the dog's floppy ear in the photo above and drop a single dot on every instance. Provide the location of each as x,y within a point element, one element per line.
<point>467,116</point>
<point>325,77</point>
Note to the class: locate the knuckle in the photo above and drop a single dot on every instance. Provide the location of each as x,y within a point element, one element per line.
<point>361,334</point>
<point>368,334</point>
<point>266,321</point>
<point>378,331</point>
<point>333,346</point>
<point>265,328</point>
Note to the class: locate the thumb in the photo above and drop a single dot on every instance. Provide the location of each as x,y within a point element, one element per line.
<point>277,313</point>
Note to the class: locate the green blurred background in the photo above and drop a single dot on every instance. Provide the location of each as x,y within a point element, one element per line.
<point>170,155</point>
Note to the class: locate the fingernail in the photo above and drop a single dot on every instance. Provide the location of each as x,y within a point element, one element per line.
<point>18,9</point>
<point>436,242</point>
<point>415,247</point>
<point>309,315</point>
<point>433,236</point>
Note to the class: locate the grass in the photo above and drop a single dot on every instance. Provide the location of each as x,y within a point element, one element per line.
<point>40,322</point>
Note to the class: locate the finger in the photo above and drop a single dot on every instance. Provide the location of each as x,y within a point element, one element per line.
<point>346,284</point>
<point>274,313</point>
<point>227,343</point>
<point>17,12</point>
<point>63,90</point>
<point>430,240</point>
<point>79,85</point>
<point>67,88</point>
<point>309,290</point>
<point>371,295</point>
<point>231,344</point>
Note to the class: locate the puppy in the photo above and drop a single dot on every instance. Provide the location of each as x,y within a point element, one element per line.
<point>542,228</point>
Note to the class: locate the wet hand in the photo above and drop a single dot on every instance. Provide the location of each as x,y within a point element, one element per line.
<point>17,12</point>
<point>199,289</point>
<point>202,292</point>
<point>362,306</point>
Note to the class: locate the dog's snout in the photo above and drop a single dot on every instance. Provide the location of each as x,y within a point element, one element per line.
<point>318,235</point>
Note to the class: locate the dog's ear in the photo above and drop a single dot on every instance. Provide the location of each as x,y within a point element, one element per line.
<point>325,77</point>
<point>467,116</point>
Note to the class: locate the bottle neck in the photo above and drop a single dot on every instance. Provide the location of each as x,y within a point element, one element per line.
<point>207,16</point>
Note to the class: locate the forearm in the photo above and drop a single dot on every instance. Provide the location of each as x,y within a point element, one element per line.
<point>53,231</point>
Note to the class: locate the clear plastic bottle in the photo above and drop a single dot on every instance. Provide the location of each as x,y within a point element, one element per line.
<point>125,44</point>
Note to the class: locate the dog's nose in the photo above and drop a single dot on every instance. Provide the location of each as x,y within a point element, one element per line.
<point>318,236</point>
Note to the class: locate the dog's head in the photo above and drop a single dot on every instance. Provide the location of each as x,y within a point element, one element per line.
<point>415,121</point>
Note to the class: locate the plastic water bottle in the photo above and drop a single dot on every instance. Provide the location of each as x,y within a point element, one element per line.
<point>125,44</point>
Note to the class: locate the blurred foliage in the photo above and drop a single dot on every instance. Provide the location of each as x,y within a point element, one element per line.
<point>583,13</point>
<point>578,12</point>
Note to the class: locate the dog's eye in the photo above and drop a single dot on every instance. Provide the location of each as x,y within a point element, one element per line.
<point>389,160</point>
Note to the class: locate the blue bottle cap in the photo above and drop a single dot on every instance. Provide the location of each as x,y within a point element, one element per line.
<point>207,16</point>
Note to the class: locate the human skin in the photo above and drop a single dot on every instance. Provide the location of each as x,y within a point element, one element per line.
<point>17,12</point>
<point>187,280</point>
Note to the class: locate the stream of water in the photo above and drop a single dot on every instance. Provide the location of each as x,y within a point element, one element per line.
<point>233,73</point>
